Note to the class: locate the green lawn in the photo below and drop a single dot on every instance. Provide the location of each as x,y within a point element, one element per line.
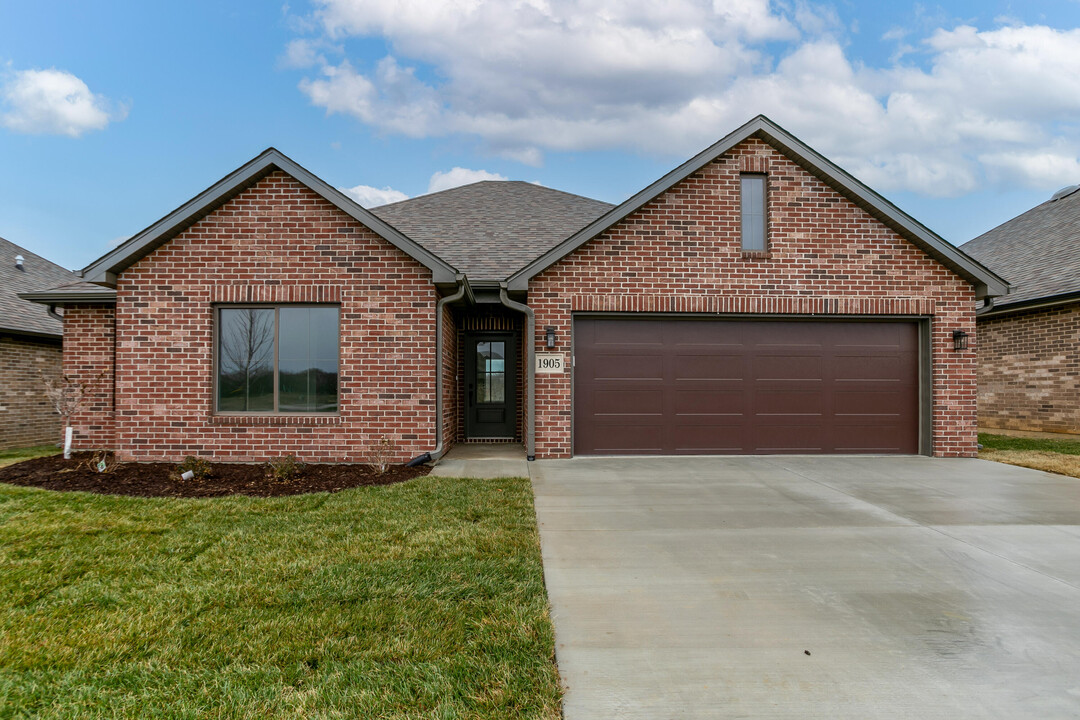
<point>1006,442</point>
<point>7,457</point>
<point>1051,455</point>
<point>419,600</point>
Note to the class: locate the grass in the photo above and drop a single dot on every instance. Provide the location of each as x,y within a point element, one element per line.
<point>9,457</point>
<point>1056,456</point>
<point>418,600</point>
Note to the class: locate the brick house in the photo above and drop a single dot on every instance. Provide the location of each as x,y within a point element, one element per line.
<point>1029,341</point>
<point>30,347</point>
<point>756,299</point>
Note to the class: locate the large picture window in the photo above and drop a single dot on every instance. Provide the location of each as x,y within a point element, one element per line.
<point>277,359</point>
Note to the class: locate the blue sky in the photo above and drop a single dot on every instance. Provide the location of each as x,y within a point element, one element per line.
<point>112,114</point>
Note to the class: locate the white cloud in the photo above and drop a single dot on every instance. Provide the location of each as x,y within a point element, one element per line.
<point>54,102</point>
<point>458,176</point>
<point>954,110</point>
<point>370,197</point>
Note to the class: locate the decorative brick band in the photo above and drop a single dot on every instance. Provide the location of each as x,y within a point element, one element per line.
<point>755,304</point>
<point>753,163</point>
<point>251,420</point>
<point>275,293</point>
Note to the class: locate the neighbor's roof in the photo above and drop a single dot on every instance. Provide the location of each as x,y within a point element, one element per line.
<point>986,283</point>
<point>490,229</point>
<point>16,314</point>
<point>1038,251</point>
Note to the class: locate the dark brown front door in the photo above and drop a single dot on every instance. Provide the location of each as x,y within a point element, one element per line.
<point>490,385</point>
<point>690,386</point>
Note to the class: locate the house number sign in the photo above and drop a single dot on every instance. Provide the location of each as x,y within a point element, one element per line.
<point>550,363</point>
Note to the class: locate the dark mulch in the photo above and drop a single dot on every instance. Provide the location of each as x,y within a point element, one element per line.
<point>162,479</point>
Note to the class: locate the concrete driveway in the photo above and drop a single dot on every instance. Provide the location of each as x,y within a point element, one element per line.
<point>805,587</point>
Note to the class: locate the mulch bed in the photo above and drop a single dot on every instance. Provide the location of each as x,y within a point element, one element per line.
<point>163,480</point>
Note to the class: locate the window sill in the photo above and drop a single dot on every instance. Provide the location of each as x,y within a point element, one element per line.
<point>757,254</point>
<point>247,420</point>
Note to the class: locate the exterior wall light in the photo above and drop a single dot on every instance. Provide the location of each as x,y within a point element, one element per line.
<point>549,334</point>
<point>959,340</point>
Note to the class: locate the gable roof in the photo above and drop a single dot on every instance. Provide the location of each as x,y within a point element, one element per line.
<point>490,229</point>
<point>986,282</point>
<point>1039,251</point>
<point>16,314</point>
<point>104,269</point>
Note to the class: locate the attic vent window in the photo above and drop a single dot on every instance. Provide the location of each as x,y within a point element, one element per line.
<point>754,222</point>
<point>1065,192</point>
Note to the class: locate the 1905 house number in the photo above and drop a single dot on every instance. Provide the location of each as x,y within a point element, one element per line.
<point>549,363</point>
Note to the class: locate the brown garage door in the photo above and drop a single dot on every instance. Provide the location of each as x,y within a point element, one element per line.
<point>690,386</point>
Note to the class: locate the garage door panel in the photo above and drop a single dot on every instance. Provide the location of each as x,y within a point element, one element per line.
<point>610,366</point>
<point>708,440</point>
<point>682,385</point>
<point>628,402</point>
<point>629,332</point>
<point>789,438</point>
<point>790,367</point>
<point>789,402</point>
<point>709,402</point>
<point>869,367</point>
<point>629,439</point>
<point>891,403</point>
<point>709,367</point>
<point>870,437</point>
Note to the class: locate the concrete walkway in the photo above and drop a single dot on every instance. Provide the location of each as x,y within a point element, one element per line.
<point>810,587</point>
<point>483,460</point>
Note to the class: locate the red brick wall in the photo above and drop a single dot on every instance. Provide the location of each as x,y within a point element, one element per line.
<point>88,358</point>
<point>681,253</point>
<point>1029,370</point>
<point>27,417</point>
<point>275,242</point>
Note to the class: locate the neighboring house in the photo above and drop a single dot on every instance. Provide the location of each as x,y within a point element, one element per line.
<point>756,299</point>
<point>30,348</point>
<point>1029,341</point>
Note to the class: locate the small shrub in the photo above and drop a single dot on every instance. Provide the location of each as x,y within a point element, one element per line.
<point>283,469</point>
<point>381,451</point>
<point>197,465</point>
<point>101,461</point>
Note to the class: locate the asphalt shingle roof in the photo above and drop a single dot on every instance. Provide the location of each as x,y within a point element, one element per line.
<point>489,230</point>
<point>38,274</point>
<point>1038,252</point>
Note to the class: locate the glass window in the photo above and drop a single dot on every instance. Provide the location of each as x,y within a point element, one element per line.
<point>278,359</point>
<point>490,372</point>
<point>752,193</point>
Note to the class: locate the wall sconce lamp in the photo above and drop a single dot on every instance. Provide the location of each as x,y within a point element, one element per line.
<point>959,340</point>
<point>549,335</point>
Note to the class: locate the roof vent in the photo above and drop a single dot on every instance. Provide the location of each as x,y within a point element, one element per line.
<point>1065,192</point>
<point>19,263</point>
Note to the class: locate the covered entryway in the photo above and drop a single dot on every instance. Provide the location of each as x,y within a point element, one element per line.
<point>682,385</point>
<point>490,385</point>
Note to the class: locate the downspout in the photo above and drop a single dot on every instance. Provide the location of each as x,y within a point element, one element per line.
<point>530,341</point>
<point>439,444</point>
<point>53,313</point>
<point>988,305</point>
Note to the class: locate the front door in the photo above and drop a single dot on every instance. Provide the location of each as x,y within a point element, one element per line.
<point>490,384</point>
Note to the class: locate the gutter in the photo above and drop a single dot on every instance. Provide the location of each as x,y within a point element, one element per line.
<point>530,340</point>
<point>440,446</point>
<point>1034,304</point>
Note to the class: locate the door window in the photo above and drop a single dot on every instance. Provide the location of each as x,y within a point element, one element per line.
<point>490,372</point>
